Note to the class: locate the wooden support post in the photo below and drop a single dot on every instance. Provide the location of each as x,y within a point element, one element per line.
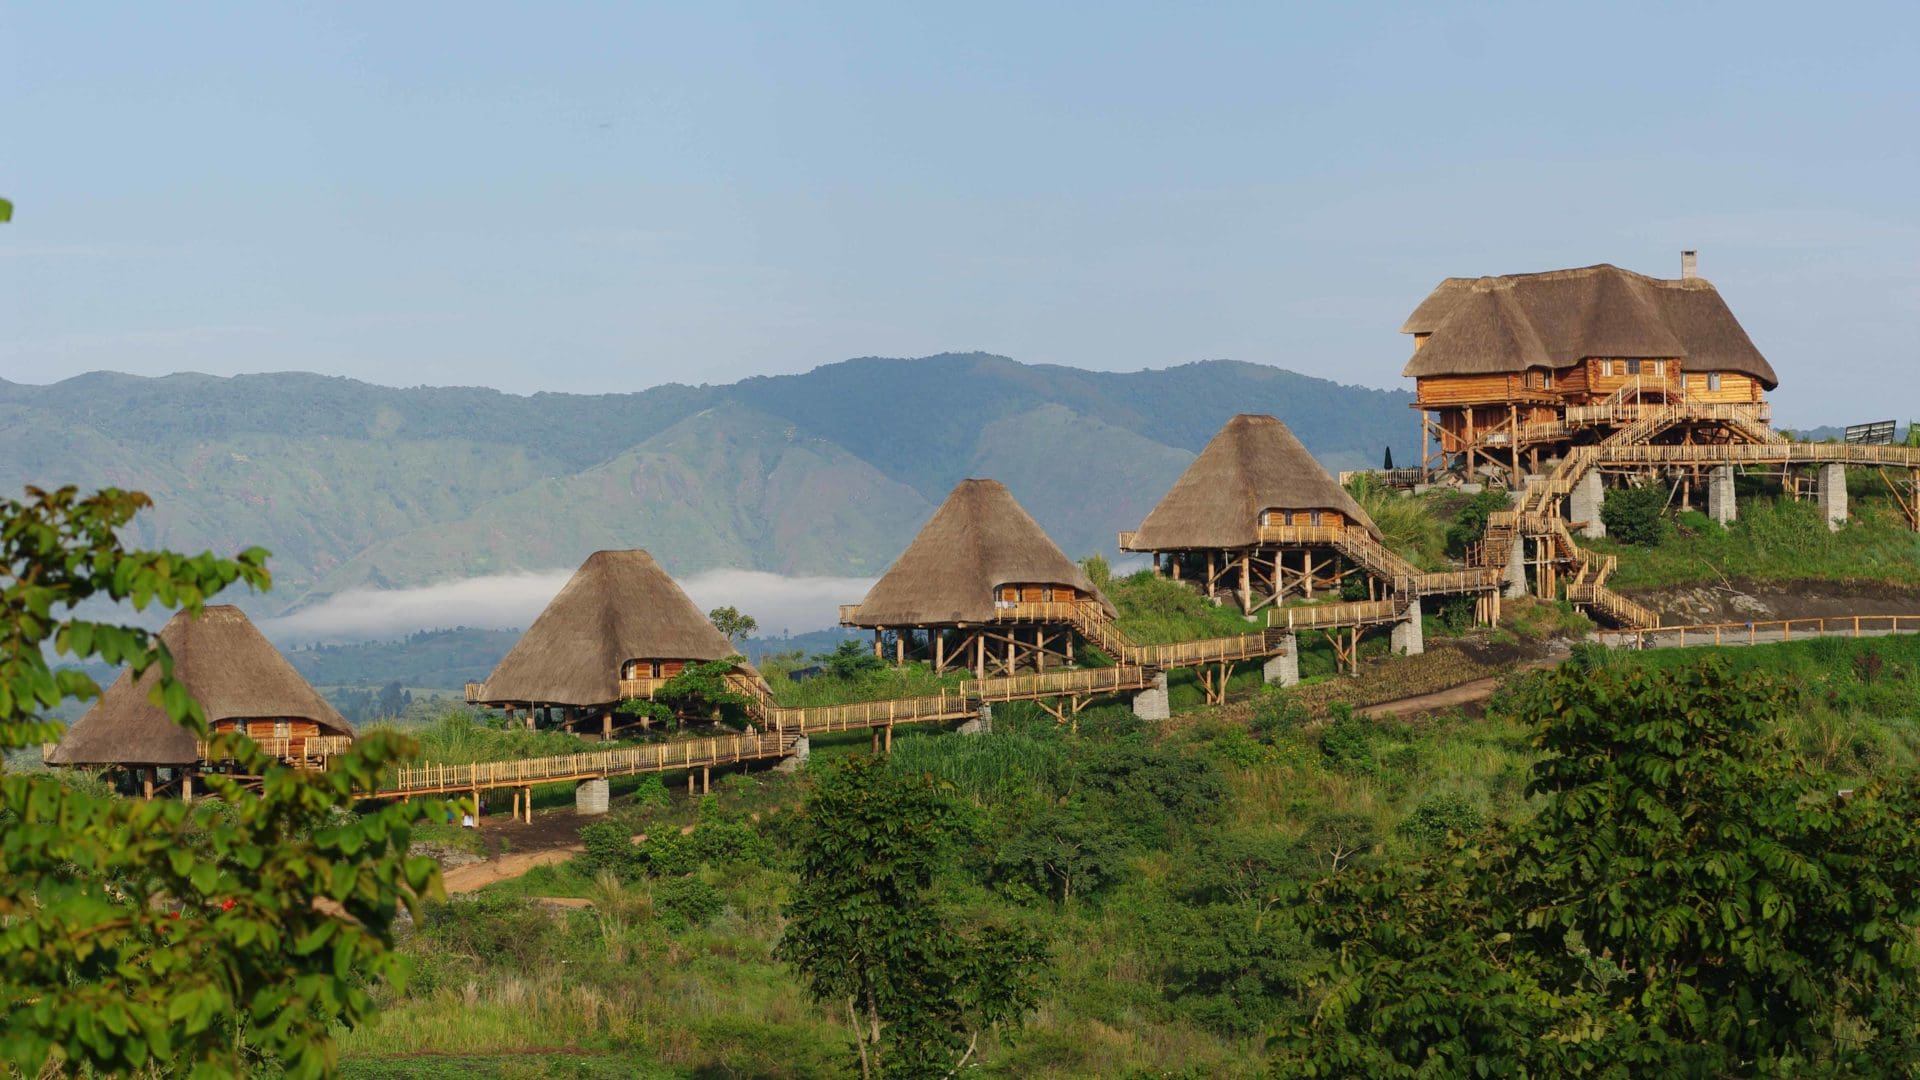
<point>477,808</point>
<point>878,653</point>
<point>689,783</point>
<point>1040,649</point>
<point>516,804</point>
<point>979,655</point>
<point>939,650</point>
<point>706,779</point>
<point>149,774</point>
<point>606,725</point>
<point>900,646</point>
<point>1246,583</point>
<point>889,743</point>
<point>526,801</point>
<point>1211,578</point>
<point>186,775</point>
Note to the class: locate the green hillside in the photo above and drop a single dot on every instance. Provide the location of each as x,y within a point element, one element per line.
<point>829,472</point>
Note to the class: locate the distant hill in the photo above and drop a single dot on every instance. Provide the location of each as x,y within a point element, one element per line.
<point>829,472</point>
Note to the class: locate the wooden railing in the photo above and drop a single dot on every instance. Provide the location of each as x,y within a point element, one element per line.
<point>1761,632</point>
<point>626,760</point>
<point>1058,683</point>
<point>308,747</point>
<point>1782,453</point>
<point>1332,616</point>
<point>473,692</point>
<point>846,613</point>
<point>1125,542</point>
<point>1299,534</point>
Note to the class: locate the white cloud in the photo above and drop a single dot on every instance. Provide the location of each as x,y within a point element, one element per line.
<point>503,601</point>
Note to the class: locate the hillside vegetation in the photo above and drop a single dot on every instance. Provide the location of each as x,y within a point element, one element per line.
<point>1161,863</point>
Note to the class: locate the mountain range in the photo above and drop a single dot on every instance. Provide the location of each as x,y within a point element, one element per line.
<point>354,485</point>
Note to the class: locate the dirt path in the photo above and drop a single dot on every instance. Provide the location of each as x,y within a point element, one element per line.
<point>1467,693</point>
<point>475,876</point>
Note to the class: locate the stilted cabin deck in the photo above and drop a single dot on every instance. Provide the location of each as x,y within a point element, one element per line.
<point>1256,519</point>
<point>1512,372</point>
<point>243,684</point>
<point>620,628</point>
<point>981,587</point>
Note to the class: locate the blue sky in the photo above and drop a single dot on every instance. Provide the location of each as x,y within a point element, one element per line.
<point>591,198</point>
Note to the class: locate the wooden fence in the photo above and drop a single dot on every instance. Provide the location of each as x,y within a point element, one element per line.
<point>1763,632</point>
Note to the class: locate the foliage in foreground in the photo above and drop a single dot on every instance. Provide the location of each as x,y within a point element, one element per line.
<point>1690,900</point>
<point>145,935</point>
<point>869,932</point>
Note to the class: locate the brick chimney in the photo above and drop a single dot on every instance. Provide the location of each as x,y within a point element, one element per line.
<point>1689,264</point>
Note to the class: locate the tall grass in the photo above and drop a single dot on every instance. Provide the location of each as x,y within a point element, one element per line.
<point>1407,523</point>
<point>995,765</point>
<point>1775,539</point>
<point>1154,610</point>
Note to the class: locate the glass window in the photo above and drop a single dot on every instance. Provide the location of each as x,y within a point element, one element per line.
<point>1606,367</point>
<point>1633,367</point>
<point>1316,517</point>
<point>1546,379</point>
<point>1713,380</point>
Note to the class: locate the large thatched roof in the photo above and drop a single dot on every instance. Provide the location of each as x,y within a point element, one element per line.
<point>1253,464</point>
<point>1555,319</point>
<point>980,539</point>
<point>619,606</point>
<point>232,670</point>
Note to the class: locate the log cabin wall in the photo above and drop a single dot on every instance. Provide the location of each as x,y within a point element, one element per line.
<point>1030,593</point>
<point>652,669</point>
<point>1723,388</point>
<point>1608,374</point>
<point>1326,518</point>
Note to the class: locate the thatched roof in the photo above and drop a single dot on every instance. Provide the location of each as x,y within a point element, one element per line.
<point>1556,319</point>
<point>1253,464</point>
<point>619,606</point>
<point>980,539</point>
<point>231,669</point>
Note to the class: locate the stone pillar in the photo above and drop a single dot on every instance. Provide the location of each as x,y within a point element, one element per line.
<point>1516,576</point>
<point>590,797</point>
<point>981,724</point>
<point>1283,669</point>
<point>1151,703</point>
<point>796,758</point>
<point>1720,501</point>
<point>1409,636</point>
<point>1584,502</point>
<point>1833,494</point>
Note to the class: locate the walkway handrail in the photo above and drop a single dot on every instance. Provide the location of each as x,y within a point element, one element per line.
<point>1748,633</point>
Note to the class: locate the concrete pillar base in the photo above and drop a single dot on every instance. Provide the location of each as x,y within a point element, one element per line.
<point>981,724</point>
<point>1515,581</point>
<point>1410,636</point>
<point>1283,669</point>
<point>1720,501</point>
<point>1833,494</point>
<point>1152,703</point>
<point>1584,502</point>
<point>796,758</point>
<point>590,797</point>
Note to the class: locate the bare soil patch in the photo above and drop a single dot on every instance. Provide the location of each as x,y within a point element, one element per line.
<point>1740,600</point>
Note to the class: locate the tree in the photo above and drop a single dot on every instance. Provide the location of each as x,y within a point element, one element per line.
<point>729,621</point>
<point>1691,899</point>
<point>1063,851</point>
<point>1387,462</point>
<point>1632,515</point>
<point>204,938</point>
<point>6,210</point>
<point>869,934</point>
<point>1471,524</point>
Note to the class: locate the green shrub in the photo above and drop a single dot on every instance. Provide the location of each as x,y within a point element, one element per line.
<point>1441,814</point>
<point>685,903</point>
<point>1347,741</point>
<point>1632,514</point>
<point>1471,524</point>
<point>1275,715</point>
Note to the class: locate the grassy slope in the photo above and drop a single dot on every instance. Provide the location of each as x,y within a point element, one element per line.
<point>710,1001</point>
<point>1775,540</point>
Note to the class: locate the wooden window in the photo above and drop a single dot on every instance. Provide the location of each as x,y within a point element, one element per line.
<point>1546,380</point>
<point>1713,380</point>
<point>1606,368</point>
<point>1046,594</point>
<point>282,729</point>
<point>1316,517</point>
<point>1633,367</point>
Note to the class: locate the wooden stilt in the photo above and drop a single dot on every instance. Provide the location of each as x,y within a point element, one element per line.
<point>889,740</point>
<point>706,779</point>
<point>900,646</point>
<point>939,651</point>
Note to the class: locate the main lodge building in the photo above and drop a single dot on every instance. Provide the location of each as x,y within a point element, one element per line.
<point>1514,368</point>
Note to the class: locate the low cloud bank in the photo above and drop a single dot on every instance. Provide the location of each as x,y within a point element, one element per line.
<point>503,601</point>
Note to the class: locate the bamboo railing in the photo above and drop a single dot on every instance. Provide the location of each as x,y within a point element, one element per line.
<point>1762,632</point>
<point>660,757</point>
<point>298,747</point>
<point>1337,616</point>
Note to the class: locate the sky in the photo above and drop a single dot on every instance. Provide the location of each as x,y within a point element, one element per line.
<point>596,198</point>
